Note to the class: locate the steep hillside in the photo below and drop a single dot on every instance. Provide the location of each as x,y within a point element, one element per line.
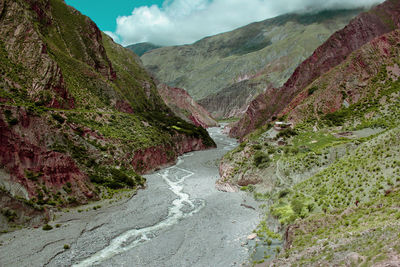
<point>367,26</point>
<point>79,116</point>
<point>183,105</point>
<point>330,183</point>
<point>232,101</point>
<point>141,48</point>
<point>216,62</point>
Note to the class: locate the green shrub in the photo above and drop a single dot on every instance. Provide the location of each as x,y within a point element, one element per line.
<point>120,177</point>
<point>337,118</point>
<point>11,121</point>
<point>32,175</point>
<point>260,158</point>
<point>312,90</point>
<point>286,133</point>
<point>257,147</point>
<point>10,214</point>
<point>47,227</point>
<point>58,118</point>
<point>116,178</point>
<point>283,193</point>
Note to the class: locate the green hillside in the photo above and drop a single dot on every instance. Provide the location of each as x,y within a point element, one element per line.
<point>216,62</point>
<point>79,115</point>
<point>141,48</point>
<point>331,183</point>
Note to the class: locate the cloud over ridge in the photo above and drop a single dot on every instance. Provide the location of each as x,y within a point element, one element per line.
<point>186,21</point>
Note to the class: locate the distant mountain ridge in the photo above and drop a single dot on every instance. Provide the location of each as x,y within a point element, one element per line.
<point>141,48</point>
<point>267,106</point>
<point>274,47</point>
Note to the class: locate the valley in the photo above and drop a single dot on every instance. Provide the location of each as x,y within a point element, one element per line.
<point>273,144</point>
<point>180,219</point>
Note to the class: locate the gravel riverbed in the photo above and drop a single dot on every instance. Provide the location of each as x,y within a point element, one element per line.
<point>179,220</point>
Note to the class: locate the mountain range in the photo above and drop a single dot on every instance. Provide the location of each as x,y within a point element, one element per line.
<point>338,47</point>
<point>234,67</point>
<point>318,96</point>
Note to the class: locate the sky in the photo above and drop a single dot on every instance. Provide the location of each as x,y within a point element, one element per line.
<point>176,22</point>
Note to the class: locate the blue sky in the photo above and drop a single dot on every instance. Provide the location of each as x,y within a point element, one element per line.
<point>176,22</point>
<point>105,12</point>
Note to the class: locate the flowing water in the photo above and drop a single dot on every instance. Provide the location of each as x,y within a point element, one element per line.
<point>179,220</point>
<point>181,207</point>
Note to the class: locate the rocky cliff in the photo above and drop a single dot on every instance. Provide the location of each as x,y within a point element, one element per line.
<point>357,79</point>
<point>76,111</point>
<point>266,107</point>
<point>232,101</point>
<point>185,107</point>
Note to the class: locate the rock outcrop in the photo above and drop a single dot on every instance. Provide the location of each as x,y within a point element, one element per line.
<point>185,107</point>
<point>351,82</point>
<point>381,19</point>
<point>232,101</point>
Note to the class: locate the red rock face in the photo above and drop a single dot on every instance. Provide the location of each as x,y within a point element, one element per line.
<point>124,106</point>
<point>19,155</point>
<point>185,107</point>
<point>367,26</point>
<point>47,154</point>
<point>350,81</point>
<point>150,159</point>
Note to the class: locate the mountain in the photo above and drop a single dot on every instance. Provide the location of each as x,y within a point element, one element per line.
<point>232,101</point>
<point>274,47</point>
<point>367,26</point>
<point>79,115</point>
<point>183,105</point>
<point>329,179</point>
<point>141,48</point>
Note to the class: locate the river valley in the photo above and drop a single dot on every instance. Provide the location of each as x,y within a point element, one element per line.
<point>179,220</point>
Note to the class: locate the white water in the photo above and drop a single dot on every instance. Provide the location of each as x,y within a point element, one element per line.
<point>174,177</point>
<point>155,228</point>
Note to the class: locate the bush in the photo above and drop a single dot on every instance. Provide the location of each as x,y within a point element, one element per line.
<point>260,158</point>
<point>12,121</point>
<point>337,118</point>
<point>312,90</point>
<point>115,178</point>
<point>121,177</point>
<point>58,118</point>
<point>257,147</point>
<point>32,175</point>
<point>9,214</point>
<point>47,227</point>
<point>66,246</point>
<point>283,193</point>
<point>271,150</point>
<point>286,133</point>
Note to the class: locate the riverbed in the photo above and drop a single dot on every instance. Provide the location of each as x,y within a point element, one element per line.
<point>180,219</point>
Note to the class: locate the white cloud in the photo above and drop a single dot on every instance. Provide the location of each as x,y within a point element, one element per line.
<point>186,21</point>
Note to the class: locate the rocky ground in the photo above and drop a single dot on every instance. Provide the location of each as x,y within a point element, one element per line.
<point>179,220</point>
